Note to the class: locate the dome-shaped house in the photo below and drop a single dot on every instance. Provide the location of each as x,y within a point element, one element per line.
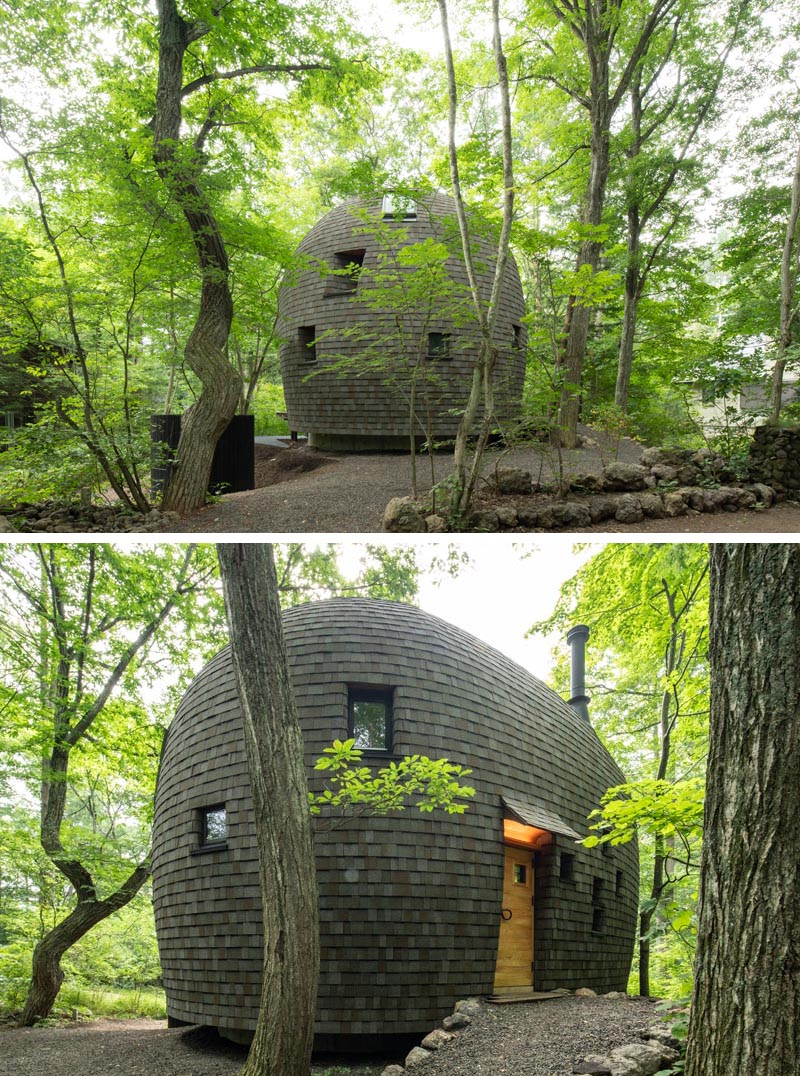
<point>376,328</point>
<point>416,910</point>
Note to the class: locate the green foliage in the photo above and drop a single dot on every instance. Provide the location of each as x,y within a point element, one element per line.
<point>353,789</point>
<point>267,401</point>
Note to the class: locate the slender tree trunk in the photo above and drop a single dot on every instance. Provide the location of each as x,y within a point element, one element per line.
<point>179,166</point>
<point>285,1030</point>
<point>746,1008</point>
<point>580,312</point>
<point>47,975</point>
<point>627,337</point>
<point>789,271</point>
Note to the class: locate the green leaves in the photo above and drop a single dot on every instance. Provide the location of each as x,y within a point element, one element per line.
<point>353,789</point>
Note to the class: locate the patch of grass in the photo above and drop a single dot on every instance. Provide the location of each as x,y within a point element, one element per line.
<point>112,1001</point>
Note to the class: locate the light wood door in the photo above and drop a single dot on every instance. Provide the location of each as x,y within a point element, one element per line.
<point>515,949</point>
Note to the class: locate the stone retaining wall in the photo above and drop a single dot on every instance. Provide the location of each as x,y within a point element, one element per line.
<point>775,457</point>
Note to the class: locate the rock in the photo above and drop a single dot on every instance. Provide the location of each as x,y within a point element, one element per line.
<point>629,509</point>
<point>435,524</point>
<point>571,514</point>
<point>536,517</point>
<point>402,516</point>
<point>615,995</point>
<point>436,1038</point>
<point>714,500</point>
<point>417,1056</point>
<point>668,1055</point>
<point>764,493</point>
<point>652,505</point>
<point>674,504</point>
<point>601,508</point>
<point>470,1006</point>
<point>512,480</point>
<point>663,1035</point>
<point>634,1060</point>
<point>562,990</point>
<point>506,516</point>
<point>594,1065</point>
<point>393,1070</point>
<point>624,476</point>
<point>456,1022</point>
<point>5,526</point>
<point>585,992</point>
<point>664,472</point>
<point>484,521</point>
<point>688,475</point>
<point>586,483</point>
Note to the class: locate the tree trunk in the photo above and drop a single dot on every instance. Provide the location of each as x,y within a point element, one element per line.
<point>789,269</point>
<point>746,1009</point>
<point>47,976</point>
<point>625,358</point>
<point>580,312</point>
<point>285,1030</point>
<point>179,166</point>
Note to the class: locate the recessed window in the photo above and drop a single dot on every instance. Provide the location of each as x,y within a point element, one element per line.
<point>566,867</point>
<point>517,330</point>
<point>618,884</point>
<point>399,207</point>
<point>438,345</point>
<point>307,340</point>
<point>598,920</point>
<point>369,718</point>
<point>213,824</point>
<point>347,265</point>
<point>597,890</point>
<point>520,874</point>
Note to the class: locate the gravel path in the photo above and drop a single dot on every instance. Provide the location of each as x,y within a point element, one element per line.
<point>348,493</point>
<point>543,1038</point>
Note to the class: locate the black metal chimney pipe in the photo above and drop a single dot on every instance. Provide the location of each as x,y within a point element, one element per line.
<point>579,701</point>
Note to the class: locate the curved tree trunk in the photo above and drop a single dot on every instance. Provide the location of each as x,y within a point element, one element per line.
<point>179,166</point>
<point>746,1008</point>
<point>47,976</point>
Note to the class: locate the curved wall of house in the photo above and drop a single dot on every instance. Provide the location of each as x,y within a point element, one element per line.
<point>367,407</point>
<point>410,904</point>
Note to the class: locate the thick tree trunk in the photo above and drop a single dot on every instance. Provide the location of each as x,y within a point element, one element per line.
<point>746,1008</point>
<point>47,976</point>
<point>179,166</point>
<point>284,1033</point>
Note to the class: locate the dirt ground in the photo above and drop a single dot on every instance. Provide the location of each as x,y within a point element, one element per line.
<point>133,1048</point>
<point>304,491</point>
<point>544,1038</point>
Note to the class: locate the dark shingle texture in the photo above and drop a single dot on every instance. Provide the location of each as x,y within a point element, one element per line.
<point>371,401</point>
<point>410,904</point>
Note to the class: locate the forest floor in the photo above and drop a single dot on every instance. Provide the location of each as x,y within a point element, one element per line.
<point>545,1038</point>
<point>299,490</point>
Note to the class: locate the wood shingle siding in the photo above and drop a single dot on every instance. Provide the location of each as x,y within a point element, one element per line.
<point>349,410</point>
<point>409,904</point>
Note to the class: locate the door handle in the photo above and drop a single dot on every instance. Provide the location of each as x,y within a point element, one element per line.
<point>506,913</point>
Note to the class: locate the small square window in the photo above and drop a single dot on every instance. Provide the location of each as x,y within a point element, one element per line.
<point>213,825</point>
<point>307,340</point>
<point>520,874</point>
<point>438,345</point>
<point>369,718</point>
<point>566,867</point>
<point>347,265</point>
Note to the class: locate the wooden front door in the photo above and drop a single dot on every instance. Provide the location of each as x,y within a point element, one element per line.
<point>515,949</point>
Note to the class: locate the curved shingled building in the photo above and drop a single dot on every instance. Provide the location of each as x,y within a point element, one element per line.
<point>416,910</point>
<point>359,302</point>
